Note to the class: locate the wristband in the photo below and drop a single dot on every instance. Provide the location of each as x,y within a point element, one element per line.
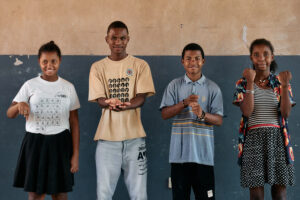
<point>184,105</point>
<point>202,117</point>
<point>250,91</point>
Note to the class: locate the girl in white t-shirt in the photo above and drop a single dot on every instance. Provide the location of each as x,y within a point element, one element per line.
<point>49,154</point>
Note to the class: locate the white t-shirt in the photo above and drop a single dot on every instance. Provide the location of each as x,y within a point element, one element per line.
<point>50,104</point>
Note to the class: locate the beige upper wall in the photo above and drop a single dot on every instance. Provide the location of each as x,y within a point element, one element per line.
<point>157,27</point>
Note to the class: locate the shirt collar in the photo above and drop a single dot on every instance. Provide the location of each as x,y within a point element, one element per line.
<point>199,81</point>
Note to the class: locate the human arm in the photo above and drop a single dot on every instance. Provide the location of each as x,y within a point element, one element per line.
<point>285,103</point>
<point>116,105</point>
<point>101,102</point>
<point>74,126</point>
<point>15,109</point>
<point>247,105</point>
<point>171,111</point>
<point>214,119</point>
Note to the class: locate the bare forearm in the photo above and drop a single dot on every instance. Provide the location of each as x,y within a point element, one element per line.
<point>137,101</point>
<point>101,102</point>
<point>285,104</point>
<point>171,111</point>
<point>74,125</point>
<point>247,105</point>
<point>213,119</point>
<point>12,111</point>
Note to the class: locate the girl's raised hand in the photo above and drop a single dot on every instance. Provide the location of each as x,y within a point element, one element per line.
<point>249,74</point>
<point>284,78</point>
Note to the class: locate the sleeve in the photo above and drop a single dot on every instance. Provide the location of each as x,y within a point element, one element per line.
<point>144,81</point>
<point>74,101</point>
<point>216,106</point>
<point>169,96</point>
<point>240,90</point>
<point>96,85</point>
<point>23,94</point>
<point>293,102</point>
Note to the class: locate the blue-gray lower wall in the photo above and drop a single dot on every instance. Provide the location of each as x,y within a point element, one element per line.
<point>224,70</point>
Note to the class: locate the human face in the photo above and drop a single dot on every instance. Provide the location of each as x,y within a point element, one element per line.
<point>117,40</point>
<point>261,57</point>
<point>193,62</point>
<point>49,63</point>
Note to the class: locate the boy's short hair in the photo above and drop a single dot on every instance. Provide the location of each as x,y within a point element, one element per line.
<point>192,47</point>
<point>117,24</point>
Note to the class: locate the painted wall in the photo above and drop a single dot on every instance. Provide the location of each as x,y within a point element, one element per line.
<point>159,30</point>
<point>224,70</point>
<point>157,27</point>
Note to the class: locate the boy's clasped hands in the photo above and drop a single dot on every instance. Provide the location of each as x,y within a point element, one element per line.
<point>116,105</point>
<point>192,101</point>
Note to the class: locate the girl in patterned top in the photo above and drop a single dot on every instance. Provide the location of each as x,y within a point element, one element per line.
<point>265,101</point>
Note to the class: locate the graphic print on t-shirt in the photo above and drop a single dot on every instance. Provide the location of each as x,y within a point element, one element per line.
<point>47,112</point>
<point>119,88</point>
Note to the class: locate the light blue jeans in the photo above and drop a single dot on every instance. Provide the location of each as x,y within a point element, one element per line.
<point>112,158</point>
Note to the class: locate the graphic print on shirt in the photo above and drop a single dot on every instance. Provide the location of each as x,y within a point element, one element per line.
<point>47,112</point>
<point>119,88</point>
<point>142,159</point>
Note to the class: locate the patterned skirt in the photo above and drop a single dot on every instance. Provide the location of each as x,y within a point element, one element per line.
<point>264,159</point>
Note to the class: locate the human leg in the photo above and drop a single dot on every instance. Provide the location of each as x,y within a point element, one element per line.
<point>135,168</point>
<point>203,181</point>
<point>60,196</point>
<point>181,182</point>
<point>278,192</point>
<point>35,196</point>
<point>108,168</point>
<point>257,193</point>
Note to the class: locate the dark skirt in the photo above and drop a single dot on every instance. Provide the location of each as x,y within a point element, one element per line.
<point>44,163</point>
<point>264,159</point>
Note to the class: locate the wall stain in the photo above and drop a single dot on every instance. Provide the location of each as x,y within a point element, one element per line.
<point>18,62</point>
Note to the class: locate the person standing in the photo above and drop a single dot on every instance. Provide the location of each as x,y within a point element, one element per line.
<point>49,154</point>
<point>265,100</point>
<point>120,84</point>
<point>195,104</point>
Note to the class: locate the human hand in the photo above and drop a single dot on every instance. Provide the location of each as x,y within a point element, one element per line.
<point>196,109</point>
<point>117,105</point>
<point>123,106</point>
<point>74,163</point>
<point>113,103</point>
<point>284,78</point>
<point>249,74</point>
<point>24,109</point>
<point>192,98</point>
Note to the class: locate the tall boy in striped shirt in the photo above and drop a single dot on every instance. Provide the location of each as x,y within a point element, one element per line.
<point>195,104</point>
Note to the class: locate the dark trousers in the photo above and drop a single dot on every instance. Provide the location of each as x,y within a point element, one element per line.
<point>192,175</point>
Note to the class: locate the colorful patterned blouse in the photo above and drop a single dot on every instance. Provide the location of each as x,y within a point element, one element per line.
<point>283,122</point>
